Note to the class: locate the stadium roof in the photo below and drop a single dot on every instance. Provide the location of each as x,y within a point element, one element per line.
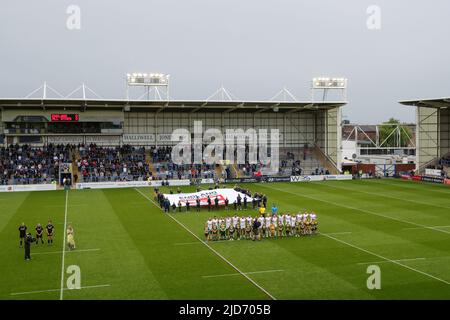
<point>167,105</point>
<point>428,103</point>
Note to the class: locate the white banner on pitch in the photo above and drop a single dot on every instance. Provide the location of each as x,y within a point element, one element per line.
<point>221,194</point>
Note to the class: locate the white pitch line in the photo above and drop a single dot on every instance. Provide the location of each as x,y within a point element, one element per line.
<point>359,209</point>
<point>415,228</point>
<point>238,274</point>
<point>53,290</point>
<point>185,243</point>
<point>338,233</point>
<point>73,251</point>
<point>61,296</point>
<point>212,249</point>
<point>72,205</point>
<point>196,242</point>
<point>387,259</point>
<point>398,260</point>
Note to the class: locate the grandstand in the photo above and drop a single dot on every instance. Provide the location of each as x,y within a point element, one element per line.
<point>124,139</point>
<point>433,133</point>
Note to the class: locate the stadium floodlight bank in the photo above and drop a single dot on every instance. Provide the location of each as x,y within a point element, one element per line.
<point>151,82</point>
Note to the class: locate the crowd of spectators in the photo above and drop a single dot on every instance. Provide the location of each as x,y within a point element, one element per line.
<point>123,163</point>
<point>23,164</point>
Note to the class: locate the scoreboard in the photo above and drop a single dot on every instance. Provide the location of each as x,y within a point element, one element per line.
<point>64,117</point>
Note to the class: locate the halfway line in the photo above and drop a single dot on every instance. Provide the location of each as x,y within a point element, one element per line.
<point>61,296</point>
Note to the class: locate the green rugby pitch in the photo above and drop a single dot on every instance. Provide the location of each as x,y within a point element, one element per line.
<point>127,248</point>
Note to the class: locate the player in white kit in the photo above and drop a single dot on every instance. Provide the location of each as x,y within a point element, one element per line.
<point>235,221</point>
<point>288,225</point>
<point>293,225</point>
<point>209,225</point>
<point>241,227</point>
<point>268,222</point>
<point>227,225</point>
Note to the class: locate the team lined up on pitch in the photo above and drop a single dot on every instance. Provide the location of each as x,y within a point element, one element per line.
<point>256,228</point>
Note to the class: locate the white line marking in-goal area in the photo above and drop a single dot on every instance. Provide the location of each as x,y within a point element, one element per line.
<point>238,274</point>
<point>73,251</point>
<point>387,259</point>
<point>53,290</point>
<point>210,248</point>
<point>61,295</point>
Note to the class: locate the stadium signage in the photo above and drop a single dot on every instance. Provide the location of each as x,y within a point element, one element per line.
<point>339,177</point>
<point>103,140</point>
<point>243,180</point>
<point>129,184</point>
<point>28,187</point>
<point>159,183</point>
<point>64,117</point>
<point>300,179</point>
<point>65,139</point>
<point>207,181</point>
<point>433,179</point>
<point>138,138</point>
<point>306,178</point>
<point>220,194</point>
<point>6,188</point>
<point>163,137</point>
<point>276,179</point>
<point>433,172</point>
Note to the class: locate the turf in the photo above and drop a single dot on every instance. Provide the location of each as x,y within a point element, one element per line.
<point>127,248</point>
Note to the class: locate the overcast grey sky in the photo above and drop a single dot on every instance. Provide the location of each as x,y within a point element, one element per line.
<point>252,47</point>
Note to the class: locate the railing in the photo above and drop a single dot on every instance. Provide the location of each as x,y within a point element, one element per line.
<point>328,163</point>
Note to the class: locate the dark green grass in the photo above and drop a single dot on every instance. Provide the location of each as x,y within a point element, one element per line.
<point>131,250</point>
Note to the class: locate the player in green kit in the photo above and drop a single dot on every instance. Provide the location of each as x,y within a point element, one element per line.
<point>223,231</point>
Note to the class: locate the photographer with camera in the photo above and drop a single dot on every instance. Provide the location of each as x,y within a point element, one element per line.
<point>28,241</point>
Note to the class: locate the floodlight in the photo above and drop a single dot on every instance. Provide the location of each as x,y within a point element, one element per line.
<point>329,83</point>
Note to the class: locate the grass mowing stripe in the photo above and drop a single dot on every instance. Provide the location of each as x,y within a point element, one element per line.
<point>387,259</point>
<point>415,228</point>
<point>383,195</point>
<point>61,295</point>
<point>213,250</point>
<point>399,260</point>
<point>358,209</point>
<point>411,185</point>
<point>55,252</point>
<point>238,274</point>
<point>53,290</point>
